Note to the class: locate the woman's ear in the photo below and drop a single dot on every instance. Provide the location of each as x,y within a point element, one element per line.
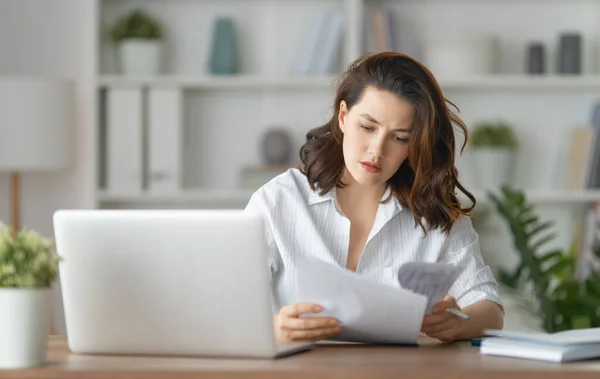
<point>342,115</point>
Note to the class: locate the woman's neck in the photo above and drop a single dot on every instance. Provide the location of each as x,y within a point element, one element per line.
<point>355,193</point>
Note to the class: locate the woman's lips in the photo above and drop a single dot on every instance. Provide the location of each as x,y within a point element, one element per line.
<point>370,167</point>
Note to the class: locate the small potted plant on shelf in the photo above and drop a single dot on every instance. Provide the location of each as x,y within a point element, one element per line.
<point>494,145</point>
<point>138,36</point>
<point>28,268</point>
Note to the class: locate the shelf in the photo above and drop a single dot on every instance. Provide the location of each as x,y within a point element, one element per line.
<point>522,82</point>
<point>186,196</point>
<point>299,82</point>
<point>555,197</point>
<point>242,197</point>
<point>224,82</point>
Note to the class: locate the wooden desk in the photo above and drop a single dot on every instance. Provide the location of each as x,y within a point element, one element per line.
<point>429,360</point>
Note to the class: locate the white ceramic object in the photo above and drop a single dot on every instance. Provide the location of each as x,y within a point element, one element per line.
<point>459,57</point>
<point>493,167</point>
<point>140,57</point>
<point>24,326</point>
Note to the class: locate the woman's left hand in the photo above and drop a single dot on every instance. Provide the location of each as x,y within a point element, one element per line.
<point>442,324</point>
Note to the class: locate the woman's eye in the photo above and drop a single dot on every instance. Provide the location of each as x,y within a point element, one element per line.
<point>400,139</point>
<point>367,128</point>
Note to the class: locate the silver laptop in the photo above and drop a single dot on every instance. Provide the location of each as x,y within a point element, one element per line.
<point>166,282</point>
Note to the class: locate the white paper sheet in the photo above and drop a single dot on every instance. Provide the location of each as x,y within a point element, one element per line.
<point>368,310</point>
<point>430,279</point>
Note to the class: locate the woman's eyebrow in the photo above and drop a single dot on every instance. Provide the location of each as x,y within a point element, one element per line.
<point>368,117</point>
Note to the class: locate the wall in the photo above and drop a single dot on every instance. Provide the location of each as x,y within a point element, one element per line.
<point>40,37</point>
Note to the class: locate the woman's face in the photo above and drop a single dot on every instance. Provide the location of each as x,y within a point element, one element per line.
<point>375,135</point>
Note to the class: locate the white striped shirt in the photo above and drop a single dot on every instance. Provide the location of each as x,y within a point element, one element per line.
<point>299,223</point>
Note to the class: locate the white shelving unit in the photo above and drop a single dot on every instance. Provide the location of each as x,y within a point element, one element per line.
<point>203,197</point>
<point>224,117</point>
<point>243,82</point>
<point>493,82</point>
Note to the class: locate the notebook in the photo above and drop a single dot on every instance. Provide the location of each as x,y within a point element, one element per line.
<point>564,346</point>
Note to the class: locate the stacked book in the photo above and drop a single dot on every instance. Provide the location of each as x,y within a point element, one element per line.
<point>564,346</point>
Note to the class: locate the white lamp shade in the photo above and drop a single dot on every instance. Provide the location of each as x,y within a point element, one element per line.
<point>36,124</point>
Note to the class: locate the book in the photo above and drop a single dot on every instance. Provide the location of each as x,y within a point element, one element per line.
<point>125,144</point>
<point>164,140</point>
<point>579,163</point>
<point>563,346</point>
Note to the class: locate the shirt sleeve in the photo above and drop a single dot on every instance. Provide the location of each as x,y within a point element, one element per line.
<point>476,282</point>
<point>257,204</point>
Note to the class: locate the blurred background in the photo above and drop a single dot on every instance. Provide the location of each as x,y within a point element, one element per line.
<point>196,103</point>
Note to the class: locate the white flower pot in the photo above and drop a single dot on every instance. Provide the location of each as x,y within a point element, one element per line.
<point>493,167</point>
<point>140,57</point>
<point>454,56</point>
<point>24,326</point>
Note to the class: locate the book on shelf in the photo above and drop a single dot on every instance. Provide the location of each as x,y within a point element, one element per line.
<point>563,346</point>
<point>319,46</point>
<point>253,177</point>
<point>164,140</point>
<point>583,162</point>
<point>124,140</point>
<point>380,31</point>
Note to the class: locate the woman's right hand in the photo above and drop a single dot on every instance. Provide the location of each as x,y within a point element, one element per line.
<point>289,327</point>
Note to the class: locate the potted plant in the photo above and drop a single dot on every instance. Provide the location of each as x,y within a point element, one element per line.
<point>494,144</point>
<point>138,36</point>
<point>28,267</point>
<point>561,297</point>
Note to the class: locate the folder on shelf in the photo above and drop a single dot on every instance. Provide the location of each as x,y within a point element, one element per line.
<point>164,140</point>
<point>124,140</point>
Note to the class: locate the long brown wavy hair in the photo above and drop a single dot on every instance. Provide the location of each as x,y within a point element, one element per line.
<point>427,180</point>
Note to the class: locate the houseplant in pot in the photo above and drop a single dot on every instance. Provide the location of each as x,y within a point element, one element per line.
<point>494,145</point>
<point>28,267</point>
<point>139,37</point>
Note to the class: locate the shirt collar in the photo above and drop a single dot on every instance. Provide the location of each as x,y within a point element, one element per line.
<point>392,206</point>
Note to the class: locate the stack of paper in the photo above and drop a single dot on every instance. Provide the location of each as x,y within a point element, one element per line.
<point>558,347</point>
<point>368,310</point>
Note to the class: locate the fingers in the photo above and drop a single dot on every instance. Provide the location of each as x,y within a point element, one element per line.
<point>439,327</point>
<point>294,310</point>
<point>290,327</point>
<point>309,323</point>
<point>448,302</point>
<point>436,318</point>
<point>310,335</point>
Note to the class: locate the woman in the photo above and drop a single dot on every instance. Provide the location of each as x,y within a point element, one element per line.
<point>376,189</point>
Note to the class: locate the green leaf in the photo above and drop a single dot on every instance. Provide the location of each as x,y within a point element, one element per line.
<point>539,228</point>
<point>560,268</point>
<point>529,221</point>
<point>591,303</point>
<point>581,322</point>
<point>593,284</point>
<point>542,241</point>
<point>550,256</point>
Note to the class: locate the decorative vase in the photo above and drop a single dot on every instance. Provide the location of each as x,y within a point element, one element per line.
<point>276,147</point>
<point>24,326</point>
<point>569,54</point>
<point>536,60</point>
<point>493,167</point>
<point>223,55</point>
<point>140,57</point>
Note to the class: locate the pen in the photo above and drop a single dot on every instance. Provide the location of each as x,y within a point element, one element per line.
<point>458,313</point>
